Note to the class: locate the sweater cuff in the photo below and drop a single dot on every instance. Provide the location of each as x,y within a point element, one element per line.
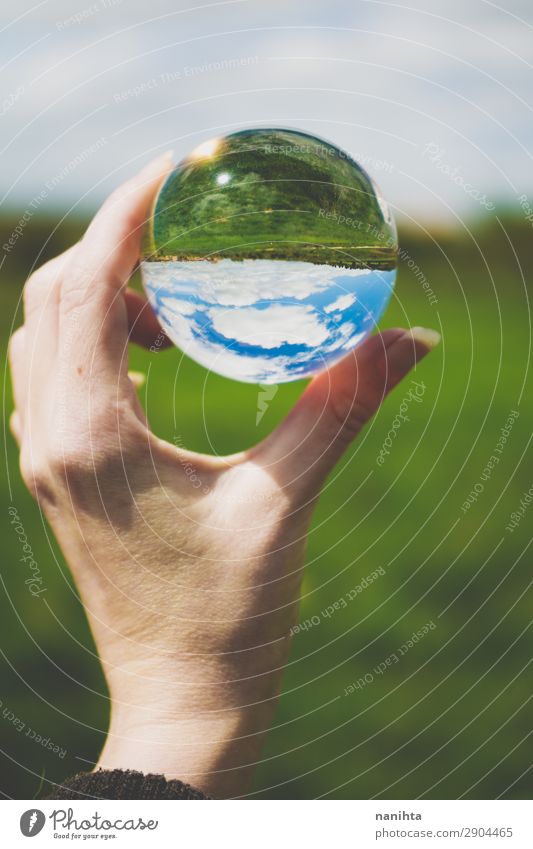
<point>123,784</point>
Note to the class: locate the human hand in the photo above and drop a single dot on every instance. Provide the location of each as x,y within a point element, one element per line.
<point>191,591</point>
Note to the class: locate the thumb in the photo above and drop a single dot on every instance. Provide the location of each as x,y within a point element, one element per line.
<point>337,403</point>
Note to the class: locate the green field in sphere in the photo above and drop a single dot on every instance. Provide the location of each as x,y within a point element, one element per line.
<point>272,194</point>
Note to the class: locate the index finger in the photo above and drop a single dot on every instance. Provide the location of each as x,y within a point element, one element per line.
<point>91,296</point>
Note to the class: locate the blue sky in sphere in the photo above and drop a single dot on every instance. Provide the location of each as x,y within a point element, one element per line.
<point>435,99</point>
<point>265,320</point>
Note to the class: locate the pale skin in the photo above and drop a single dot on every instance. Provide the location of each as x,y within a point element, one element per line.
<point>190,592</point>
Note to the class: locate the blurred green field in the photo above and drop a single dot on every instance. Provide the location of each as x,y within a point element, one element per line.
<point>453,716</point>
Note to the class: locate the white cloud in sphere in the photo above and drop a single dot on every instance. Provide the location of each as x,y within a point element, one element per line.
<point>271,327</point>
<point>246,282</point>
<point>342,303</point>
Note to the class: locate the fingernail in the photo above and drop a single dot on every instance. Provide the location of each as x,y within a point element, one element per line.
<point>410,348</point>
<point>138,378</point>
<point>428,337</point>
<point>156,164</point>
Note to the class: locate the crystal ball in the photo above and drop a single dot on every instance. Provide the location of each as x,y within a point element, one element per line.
<point>269,254</point>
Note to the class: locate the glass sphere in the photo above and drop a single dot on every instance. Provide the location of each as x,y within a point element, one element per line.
<point>268,255</point>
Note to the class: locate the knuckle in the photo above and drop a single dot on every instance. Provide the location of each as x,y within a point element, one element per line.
<point>75,457</point>
<point>37,476</point>
<point>72,465</point>
<point>16,345</point>
<point>66,465</point>
<point>14,426</point>
<point>41,286</point>
<point>33,286</point>
<point>87,286</point>
<point>78,287</point>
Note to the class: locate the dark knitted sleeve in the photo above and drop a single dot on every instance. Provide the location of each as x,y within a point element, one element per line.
<point>123,784</point>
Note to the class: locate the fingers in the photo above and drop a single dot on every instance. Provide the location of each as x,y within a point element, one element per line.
<point>32,346</point>
<point>40,285</point>
<point>75,315</point>
<point>110,247</point>
<point>144,328</point>
<point>91,304</point>
<point>41,298</point>
<point>336,405</point>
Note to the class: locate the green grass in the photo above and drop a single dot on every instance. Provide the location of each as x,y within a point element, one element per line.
<point>453,715</point>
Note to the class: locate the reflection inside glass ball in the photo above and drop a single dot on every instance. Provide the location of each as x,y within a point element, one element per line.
<point>269,254</point>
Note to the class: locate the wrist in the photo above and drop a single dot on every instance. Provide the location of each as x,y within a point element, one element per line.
<point>200,719</point>
<point>215,751</point>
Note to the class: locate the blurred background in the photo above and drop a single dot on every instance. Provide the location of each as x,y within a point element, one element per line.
<point>435,100</point>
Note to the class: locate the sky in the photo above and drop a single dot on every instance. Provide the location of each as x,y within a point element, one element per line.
<point>433,98</point>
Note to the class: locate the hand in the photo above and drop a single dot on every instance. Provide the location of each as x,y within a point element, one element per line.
<point>191,591</point>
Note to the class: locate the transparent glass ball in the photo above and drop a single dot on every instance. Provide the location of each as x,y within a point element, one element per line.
<point>269,254</point>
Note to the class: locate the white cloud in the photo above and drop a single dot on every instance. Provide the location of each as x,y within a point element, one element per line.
<point>342,303</point>
<point>244,283</point>
<point>250,281</point>
<point>177,327</point>
<point>175,306</point>
<point>354,340</point>
<point>271,327</point>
